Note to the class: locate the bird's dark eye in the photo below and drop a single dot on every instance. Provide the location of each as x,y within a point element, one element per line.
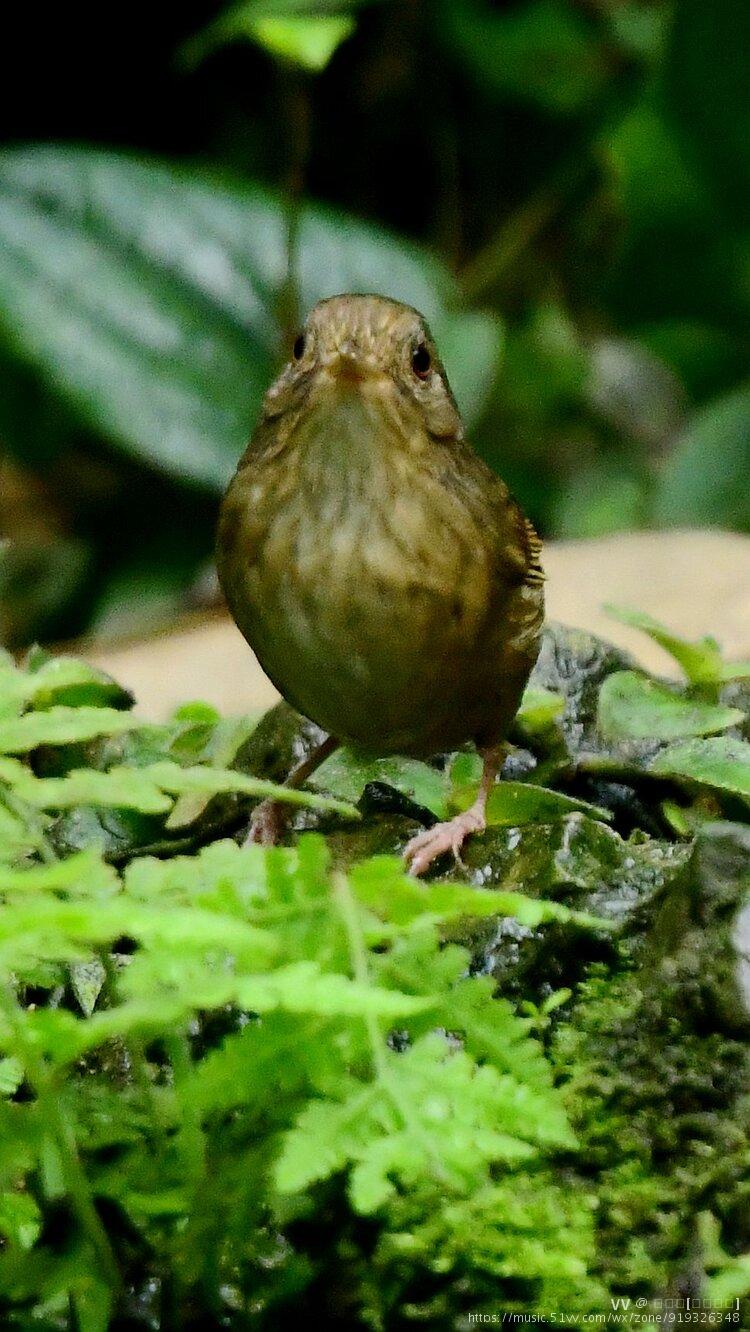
<point>298,349</point>
<point>421,361</point>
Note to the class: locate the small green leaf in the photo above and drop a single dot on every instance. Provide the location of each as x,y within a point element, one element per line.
<point>295,31</point>
<point>346,776</point>
<point>93,1305</point>
<point>11,1076</point>
<point>701,660</point>
<point>177,781</point>
<point>512,804</point>
<point>149,789</point>
<point>721,762</point>
<point>308,42</point>
<point>197,713</point>
<point>61,726</point>
<point>381,885</point>
<point>120,788</point>
<point>62,680</point>
<point>87,979</point>
<point>70,681</point>
<point>539,709</point>
<point>20,1219</point>
<point>633,707</point>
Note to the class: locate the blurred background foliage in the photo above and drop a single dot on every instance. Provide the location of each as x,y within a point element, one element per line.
<point>563,186</point>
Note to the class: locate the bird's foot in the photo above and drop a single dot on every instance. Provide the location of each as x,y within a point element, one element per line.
<point>420,852</point>
<point>269,819</point>
<point>267,823</point>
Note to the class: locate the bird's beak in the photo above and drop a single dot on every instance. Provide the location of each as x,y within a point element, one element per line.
<point>348,365</point>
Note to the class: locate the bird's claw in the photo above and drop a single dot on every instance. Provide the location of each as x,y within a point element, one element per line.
<point>427,846</point>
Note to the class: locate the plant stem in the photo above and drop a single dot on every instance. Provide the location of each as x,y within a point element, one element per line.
<point>297,107</point>
<point>358,954</point>
<point>490,265</point>
<point>192,1133</point>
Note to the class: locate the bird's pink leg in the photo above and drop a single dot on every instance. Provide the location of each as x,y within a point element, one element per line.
<point>269,819</point>
<point>420,852</point>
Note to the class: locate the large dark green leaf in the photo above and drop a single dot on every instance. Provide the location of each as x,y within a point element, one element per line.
<point>146,296</point>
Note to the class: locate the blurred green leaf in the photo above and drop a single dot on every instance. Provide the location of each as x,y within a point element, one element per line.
<point>543,51</point>
<point>303,32</point>
<point>123,788</point>
<point>93,1305</point>
<point>59,680</point>
<point>703,480</point>
<point>539,709</point>
<point>721,761</point>
<point>381,885</point>
<point>309,42</point>
<point>16,839</point>
<point>146,296</point>
<point>11,1075</point>
<point>701,661</point>
<point>547,367</point>
<point>141,789</point>
<point>605,498</point>
<point>634,707</point>
<point>641,29</point>
<point>655,177</point>
<point>60,726</point>
<point>669,215</point>
<point>707,358</point>
<point>37,577</point>
<point>471,346</point>
<point>20,1218</point>
<point>707,77</point>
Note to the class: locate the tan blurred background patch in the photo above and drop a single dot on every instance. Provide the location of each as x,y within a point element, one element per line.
<point>696,582</point>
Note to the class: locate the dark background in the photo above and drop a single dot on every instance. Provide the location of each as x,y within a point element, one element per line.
<point>576,174</point>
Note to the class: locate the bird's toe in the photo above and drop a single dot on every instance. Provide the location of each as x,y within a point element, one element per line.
<point>428,846</point>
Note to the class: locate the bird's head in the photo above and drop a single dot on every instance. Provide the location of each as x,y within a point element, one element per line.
<point>372,348</point>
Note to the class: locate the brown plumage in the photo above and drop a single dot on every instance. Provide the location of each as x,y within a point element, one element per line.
<point>387,581</point>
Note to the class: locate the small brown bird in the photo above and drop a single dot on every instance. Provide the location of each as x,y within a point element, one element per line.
<point>388,583</point>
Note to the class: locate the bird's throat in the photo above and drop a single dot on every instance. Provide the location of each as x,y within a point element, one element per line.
<point>353,426</point>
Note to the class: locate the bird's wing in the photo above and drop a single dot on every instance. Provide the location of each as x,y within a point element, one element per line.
<point>519,544</point>
<point>534,575</point>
